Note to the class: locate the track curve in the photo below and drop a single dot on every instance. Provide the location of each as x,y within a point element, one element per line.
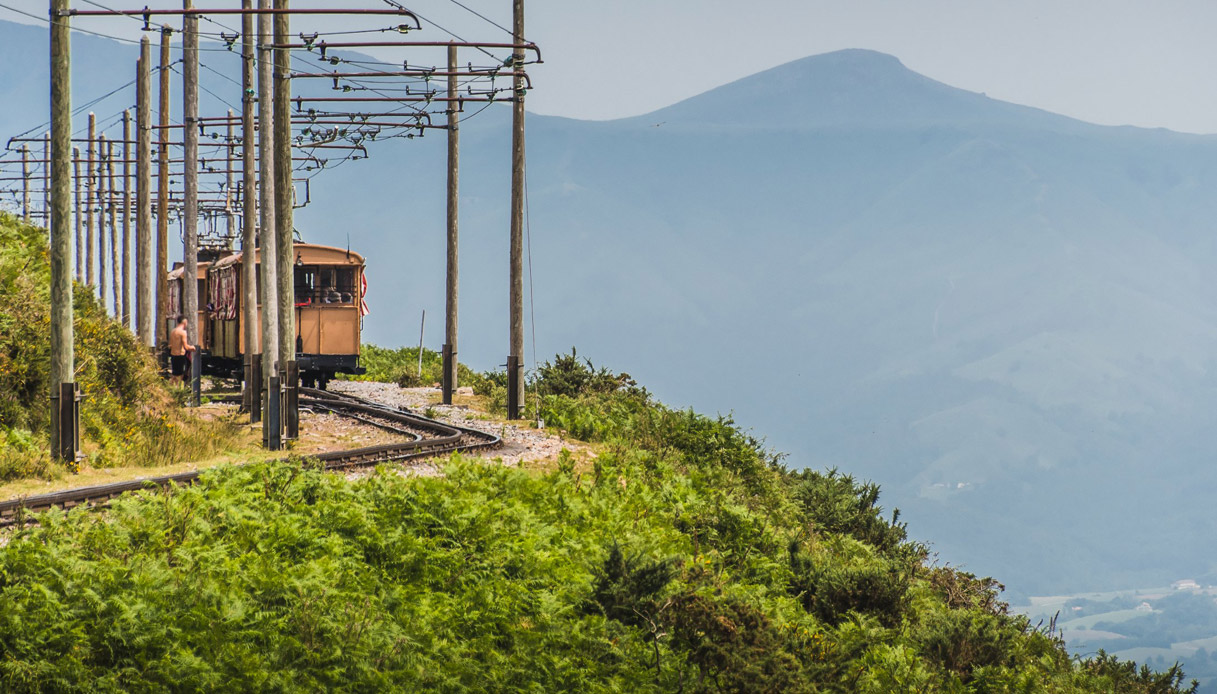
<point>429,438</point>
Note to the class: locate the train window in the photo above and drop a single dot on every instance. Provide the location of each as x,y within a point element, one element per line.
<point>325,285</point>
<point>306,285</point>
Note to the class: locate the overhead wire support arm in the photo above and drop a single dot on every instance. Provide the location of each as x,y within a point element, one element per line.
<point>147,13</point>
<point>324,46</point>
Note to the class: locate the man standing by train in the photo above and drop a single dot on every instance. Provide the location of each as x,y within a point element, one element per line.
<point>179,353</point>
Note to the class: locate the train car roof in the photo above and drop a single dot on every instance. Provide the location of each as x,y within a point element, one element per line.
<point>177,272</point>
<point>310,253</point>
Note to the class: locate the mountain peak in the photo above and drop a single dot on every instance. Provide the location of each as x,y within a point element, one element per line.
<point>847,88</point>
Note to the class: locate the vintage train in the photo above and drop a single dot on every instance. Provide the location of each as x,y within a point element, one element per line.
<point>330,286</point>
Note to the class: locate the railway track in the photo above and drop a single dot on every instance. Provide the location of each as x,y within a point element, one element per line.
<point>425,438</point>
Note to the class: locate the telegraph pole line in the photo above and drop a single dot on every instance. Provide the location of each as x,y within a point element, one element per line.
<point>249,217</point>
<point>100,199</point>
<point>190,181</point>
<point>143,197</point>
<point>25,183</point>
<point>230,192</point>
<point>125,252</point>
<point>515,357</point>
<point>46,180</point>
<point>452,286</point>
<point>65,439</point>
<point>284,189</point>
<point>90,158</point>
<point>271,425</point>
<point>160,329</point>
<point>112,203</point>
<point>78,215</point>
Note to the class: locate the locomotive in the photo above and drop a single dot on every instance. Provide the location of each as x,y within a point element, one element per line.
<point>330,287</point>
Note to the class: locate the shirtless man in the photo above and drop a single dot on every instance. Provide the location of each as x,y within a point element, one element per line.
<point>179,349</point>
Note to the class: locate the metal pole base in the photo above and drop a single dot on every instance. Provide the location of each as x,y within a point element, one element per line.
<point>65,424</point>
<point>291,401</point>
<point>271,425</point>
<point>196,378</point>
<point>449,373</point>
<point>253,385</point>
<point>514,386</point>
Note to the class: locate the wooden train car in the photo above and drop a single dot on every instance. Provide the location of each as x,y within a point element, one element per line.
<point>329,304</point>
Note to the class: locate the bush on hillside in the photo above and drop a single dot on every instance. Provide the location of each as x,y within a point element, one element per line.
<point>127,414</point>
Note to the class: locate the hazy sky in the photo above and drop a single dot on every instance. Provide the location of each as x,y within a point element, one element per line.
<point>1105,61</point>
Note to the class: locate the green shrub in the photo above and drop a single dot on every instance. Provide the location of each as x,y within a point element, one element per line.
<point>834,591</point>
<point>128,416</point>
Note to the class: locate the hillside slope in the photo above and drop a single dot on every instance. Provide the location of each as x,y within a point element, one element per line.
<point>682,558</point>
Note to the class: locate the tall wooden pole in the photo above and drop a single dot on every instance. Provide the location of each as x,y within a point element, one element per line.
<point>269,247</point>
<point>190,167</point>
<point>90,241</point>
<point>161,328</point>
<point>112,203</point>
<point>79,216</point>
<point>285,248</point>
<point>450,296</point>
<point>515,357</point>
<point>46,180</point>
<point>230,192</point>
<point>102,147</point>
<point>125,250</point>
<point>63,445</point>
<point>25,183</point>
<point>144,278</point>
<point>249,214</point>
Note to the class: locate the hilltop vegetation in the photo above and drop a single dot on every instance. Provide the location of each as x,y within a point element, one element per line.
<point>128,415</point>
<point>683,557</point>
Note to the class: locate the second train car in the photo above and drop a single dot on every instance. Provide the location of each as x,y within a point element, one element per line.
<point>329,304</point>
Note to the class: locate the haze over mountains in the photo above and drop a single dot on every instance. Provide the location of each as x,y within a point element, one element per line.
<point>1002,315</point>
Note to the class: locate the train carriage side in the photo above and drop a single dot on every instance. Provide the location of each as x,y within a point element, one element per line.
<point>328,305</point>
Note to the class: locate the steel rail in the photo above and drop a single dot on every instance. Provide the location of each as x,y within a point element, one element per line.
<point>442,438</point>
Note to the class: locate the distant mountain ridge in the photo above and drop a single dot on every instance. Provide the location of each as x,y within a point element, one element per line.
<point>853,87</point>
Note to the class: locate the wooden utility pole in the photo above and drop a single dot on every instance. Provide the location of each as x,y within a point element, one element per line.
<point>90,160</point>
<point>125,251</point>
<point>64,414</point>
<point>190,171</point>
<point>515,357</point>
<point>102,146</point>
<point>285,247</point>
<point>454,166</point>
<point>230,210</point>
<point>249,216</point>
<point>271,423</point>
<point>112,203</point>
<point>46,180</point>
<point>80,277</point>
<point>161,329</point>
<point>143,197</point>
<point>25,183</point>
